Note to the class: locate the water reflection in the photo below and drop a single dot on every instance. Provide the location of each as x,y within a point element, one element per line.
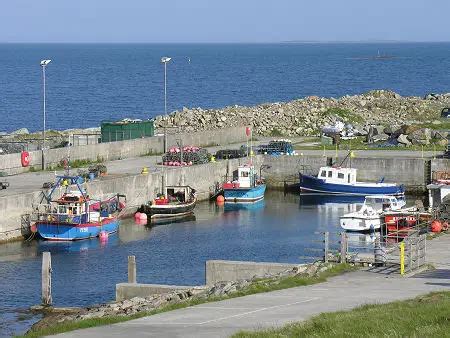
<point>279,228</point>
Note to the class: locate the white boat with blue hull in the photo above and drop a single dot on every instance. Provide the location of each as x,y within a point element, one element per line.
<point>342,181</point>
<point>246,188</point>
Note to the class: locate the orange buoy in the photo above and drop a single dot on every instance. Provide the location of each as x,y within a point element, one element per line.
<point>436,226</point>
<point>220,200</point>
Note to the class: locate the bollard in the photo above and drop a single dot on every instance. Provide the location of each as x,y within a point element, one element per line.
<point>131,269</point>
<point>343,247</point>
<point>402,258</point>
<point>326,246</point>
<point>46,279</point>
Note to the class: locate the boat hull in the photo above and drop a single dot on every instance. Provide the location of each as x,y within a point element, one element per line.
<point>355,223</point>
<point>244,195</point>
<point>314,184</point>
<point>53,231</point>
<point>168,211</point>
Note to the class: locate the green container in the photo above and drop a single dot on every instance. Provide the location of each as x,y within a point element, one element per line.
<point>326,140</point>
<point>126,130</point>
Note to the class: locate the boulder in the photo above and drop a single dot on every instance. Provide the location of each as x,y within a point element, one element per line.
<point>21,131</point>
<point>403,139</point>
<point>380,137</point>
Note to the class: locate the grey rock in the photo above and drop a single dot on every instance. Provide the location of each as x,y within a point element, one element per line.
<point>403,139</point>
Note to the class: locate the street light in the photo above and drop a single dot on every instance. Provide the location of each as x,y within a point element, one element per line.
<point>165,60</point>
<point>44,64</point>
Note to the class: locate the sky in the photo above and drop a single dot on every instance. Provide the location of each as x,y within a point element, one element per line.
<point>218,21</point>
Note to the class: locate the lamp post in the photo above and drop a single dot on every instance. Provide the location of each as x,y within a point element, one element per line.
<point>44,64</point>
<point>165,60</point>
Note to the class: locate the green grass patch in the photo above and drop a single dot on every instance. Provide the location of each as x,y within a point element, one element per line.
<point>344,114</point>
<point>74,164</point>
<point>425,316</point>
<point>276,132</point>
<point>444,125</point>
<point>258,286</point>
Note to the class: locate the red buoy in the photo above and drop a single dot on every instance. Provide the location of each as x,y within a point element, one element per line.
<point>25,158</point>
<point>436,226</point>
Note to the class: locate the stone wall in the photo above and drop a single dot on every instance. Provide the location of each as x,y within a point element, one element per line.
<point>11,163</point>
<point>225,271</point>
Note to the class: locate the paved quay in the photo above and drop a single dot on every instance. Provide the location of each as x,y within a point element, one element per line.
<point>32,181</point>
<point>272,309</point>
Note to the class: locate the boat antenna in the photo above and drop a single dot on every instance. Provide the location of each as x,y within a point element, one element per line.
<point>347,157</point>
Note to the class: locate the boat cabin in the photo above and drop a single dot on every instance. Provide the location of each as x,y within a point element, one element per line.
<point>338,175</point>
<point>177,194</point>
<point>384,202</point>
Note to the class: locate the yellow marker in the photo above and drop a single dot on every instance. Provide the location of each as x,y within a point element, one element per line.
<point>213,159</point>
<point>402,258</point>
<point>352,154</point>
<point>144,171</point>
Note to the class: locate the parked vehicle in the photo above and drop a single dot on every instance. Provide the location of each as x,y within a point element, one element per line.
<point>445,113</point>
<point>230,153</point>
<point>4,185</point>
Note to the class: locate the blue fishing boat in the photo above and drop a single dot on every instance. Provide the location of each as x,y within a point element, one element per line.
<point>246,188</point>
<point>74,215</point>
<point>342,181</point>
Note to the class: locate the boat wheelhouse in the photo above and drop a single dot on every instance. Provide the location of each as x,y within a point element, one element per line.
<point>247,187</point>
<point>343,181</point>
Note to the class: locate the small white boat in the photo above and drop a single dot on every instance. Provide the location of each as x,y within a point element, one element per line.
<point>368,217</point>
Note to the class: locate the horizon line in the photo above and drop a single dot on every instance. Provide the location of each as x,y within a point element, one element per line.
<point>230,42</point>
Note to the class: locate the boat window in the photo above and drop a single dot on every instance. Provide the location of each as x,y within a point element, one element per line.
<point>330,173</point>
<point>244,174</point>
<point>349,179</point>
<point>341,175</point>
<point>323,173</point>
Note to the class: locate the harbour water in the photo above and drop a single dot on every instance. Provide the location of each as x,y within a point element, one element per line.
<point>281,228</point>
<point>89,83</point>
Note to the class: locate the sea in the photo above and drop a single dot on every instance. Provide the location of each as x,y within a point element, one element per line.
<point>90,83</point>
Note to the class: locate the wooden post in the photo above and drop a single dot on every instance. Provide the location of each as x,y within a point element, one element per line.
<point>326,246</point>
<point>343,247</point>
<point>131,269</point>
<point>46,279</point>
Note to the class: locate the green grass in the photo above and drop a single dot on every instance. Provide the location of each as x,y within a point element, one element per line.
<point>445,124</point>
<point>344,114</point>
<point>276,132</point>
<point>425,316</point>
<point>74,164</point>
<point>259,286</point>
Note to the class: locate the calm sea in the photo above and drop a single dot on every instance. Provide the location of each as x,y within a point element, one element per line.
<point>89,83</point>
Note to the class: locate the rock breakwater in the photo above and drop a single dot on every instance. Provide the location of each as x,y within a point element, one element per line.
<point>306,116</point>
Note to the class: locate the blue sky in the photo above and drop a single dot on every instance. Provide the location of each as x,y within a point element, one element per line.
<point>223,21</point>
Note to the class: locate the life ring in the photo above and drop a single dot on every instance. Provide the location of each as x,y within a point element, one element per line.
<point>25,158</point>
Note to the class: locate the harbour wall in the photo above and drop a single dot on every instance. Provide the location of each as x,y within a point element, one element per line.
<point>139,188</point>
<point>11,163</point>
<point>413,173</point>
<point>224,271</point>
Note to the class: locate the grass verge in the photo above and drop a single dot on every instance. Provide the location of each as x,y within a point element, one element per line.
<point>425,316</point>
<point>258,286</point>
